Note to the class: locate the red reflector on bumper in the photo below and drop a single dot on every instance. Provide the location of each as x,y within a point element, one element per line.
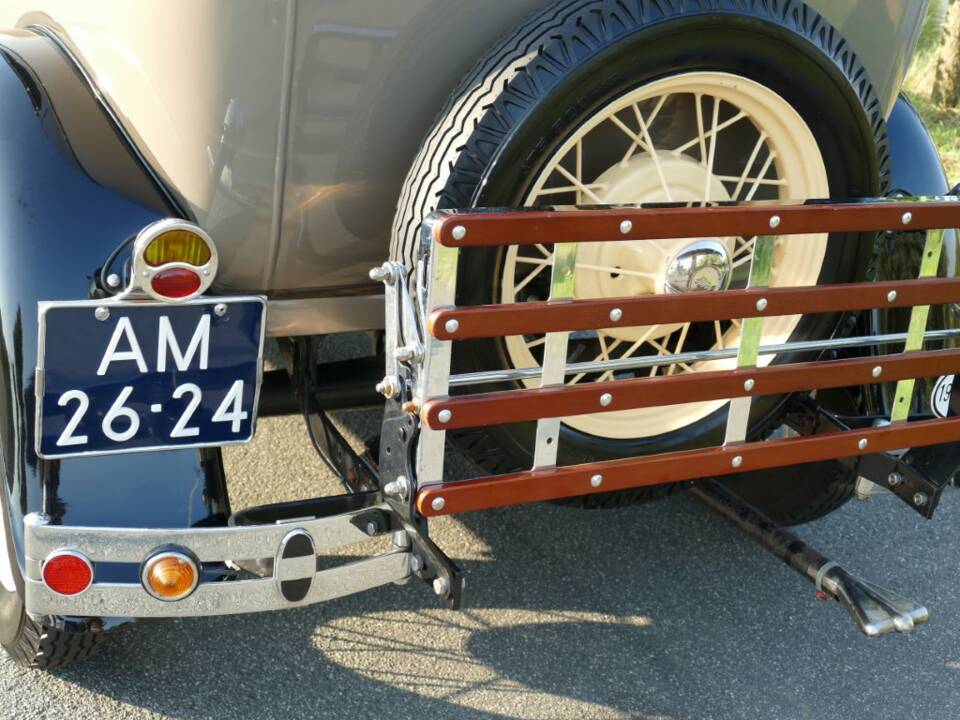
<point>175,283</point>
<point>67,572</point>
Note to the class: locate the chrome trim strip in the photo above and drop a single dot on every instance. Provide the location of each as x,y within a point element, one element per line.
<point>117,302</point>
<point>321,316</point>
<point>217,598</point>
<point>283,141</point>
<point>495,376</point>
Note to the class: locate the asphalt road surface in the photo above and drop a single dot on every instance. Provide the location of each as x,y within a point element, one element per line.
<point>661,611</point>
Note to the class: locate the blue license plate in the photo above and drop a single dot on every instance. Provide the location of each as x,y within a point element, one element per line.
<point>123,377</point>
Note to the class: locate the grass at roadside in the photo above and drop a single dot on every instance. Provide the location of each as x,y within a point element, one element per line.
<point>943,123</point>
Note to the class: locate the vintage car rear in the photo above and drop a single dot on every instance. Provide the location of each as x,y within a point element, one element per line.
<point>757,303</point>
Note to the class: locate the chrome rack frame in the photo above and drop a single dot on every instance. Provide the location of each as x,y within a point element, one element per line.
<point>423,324</point>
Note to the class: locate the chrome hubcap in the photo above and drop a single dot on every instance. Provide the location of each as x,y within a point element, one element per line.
<point>703,266</point>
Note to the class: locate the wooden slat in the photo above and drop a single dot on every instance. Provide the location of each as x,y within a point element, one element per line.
<point>534,318</point>
<point>535,486</point>
<point>491,228</point>
<point>524,405</point>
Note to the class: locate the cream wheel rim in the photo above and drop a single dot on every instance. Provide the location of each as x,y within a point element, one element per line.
<point>692,137</point>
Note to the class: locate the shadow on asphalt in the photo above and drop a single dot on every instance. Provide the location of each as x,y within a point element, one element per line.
<point>661,610</point>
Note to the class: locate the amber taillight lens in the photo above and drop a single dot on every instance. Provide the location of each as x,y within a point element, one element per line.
<point>177,246</point>
<point>170,576</point>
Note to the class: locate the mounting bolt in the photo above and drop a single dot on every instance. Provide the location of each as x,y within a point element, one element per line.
<point>101,313</point>
<point>388,387</point>
<point>907,218</point>
<point>220,309</point>
<point>397,488</point>
<point>384,274</point>
<point>440,586</point>
<point>113,280</point>
<point>596,481</point>
<point>761,304</point>
<point>451,325</point>
<point>371,528</point>
<point>437,503</point>
<point>459,232</point>
<point>400,539</point>
<point>416,563</point>
<point>748,385</point>
<point>411,407</point>
<point>406,353</point>
<point>894,479</point>
<point>606,399</point>
<point>737,461</point>
<point>877,371</point>
<point>625,227</point>
<point>920,499</point>
<point>444,416</point>
<point>616,315</point>
<point>891,296</point>
<point>774,222</point>
<point>862,444</point>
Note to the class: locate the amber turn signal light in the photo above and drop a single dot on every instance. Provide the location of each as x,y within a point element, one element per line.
<point>182,246</point>
<point>67,572</point>
<point>170,575</point>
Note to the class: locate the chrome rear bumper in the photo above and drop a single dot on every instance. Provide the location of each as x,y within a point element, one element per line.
<point>208,545</point>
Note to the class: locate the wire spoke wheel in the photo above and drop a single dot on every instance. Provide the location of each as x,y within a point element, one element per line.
<point>699,136</point>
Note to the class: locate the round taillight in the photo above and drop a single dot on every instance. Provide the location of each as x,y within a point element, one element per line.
<point>175,283</point>
<point>170,575</point>
<point>174,260</point>
<point>67,572</point>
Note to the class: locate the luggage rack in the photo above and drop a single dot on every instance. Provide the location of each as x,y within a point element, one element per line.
<point>423,324</point>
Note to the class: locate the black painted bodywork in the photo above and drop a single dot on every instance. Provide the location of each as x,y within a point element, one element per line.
<point>71,191</point>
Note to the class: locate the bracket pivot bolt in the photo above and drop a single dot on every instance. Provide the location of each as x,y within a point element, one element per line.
<point>438,503</point>
<point>907,218</point>
<point>220,309</point>
<point>606,399</point>
<point>371,528</point>
<point>616,315</point>
<point>113,280</point>
<point>894,479</point>
<point>596,481</point>
<point>625,227</point>
<point>774,222</point>
<point>101,313</point>
<point>444,416</point>
<point>416,563</point>
<point>451,325</point>
<point>737,461</point>
<point>920,499</point>
<point>440,586</point>
<point>459,232</point>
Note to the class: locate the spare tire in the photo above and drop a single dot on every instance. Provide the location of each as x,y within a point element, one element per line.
<point>604,102</point>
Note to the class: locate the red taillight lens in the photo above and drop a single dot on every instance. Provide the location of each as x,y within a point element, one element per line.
<point>67,572</point>
<point>175,282</point>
